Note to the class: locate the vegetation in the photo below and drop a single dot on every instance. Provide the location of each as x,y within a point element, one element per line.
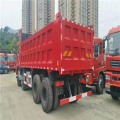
<point>8,40</point>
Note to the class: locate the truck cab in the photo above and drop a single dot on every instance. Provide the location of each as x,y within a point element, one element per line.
<point>2,58</point>
<point>113,62</point>
<point>97,77</point>
<point>11,61</point>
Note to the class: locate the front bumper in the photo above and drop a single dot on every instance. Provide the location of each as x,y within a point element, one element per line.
<point>113,82</point>
<point>86,92</point>
<point>113,93</point>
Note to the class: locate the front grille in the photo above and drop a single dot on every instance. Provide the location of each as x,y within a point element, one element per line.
<point>11,63</point>
<point>114,64</point>
<point>114,78</point>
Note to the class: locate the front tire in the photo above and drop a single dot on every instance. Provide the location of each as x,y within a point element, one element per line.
<point>36,89</point>
<point>46,95</point>
<point>100,85</point>
<point>113,89</point>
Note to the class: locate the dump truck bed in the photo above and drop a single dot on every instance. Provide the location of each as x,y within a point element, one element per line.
<point>63,46</point>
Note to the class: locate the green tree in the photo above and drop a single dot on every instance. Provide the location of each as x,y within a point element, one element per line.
<point>12,45</point>
<point>6,29</point>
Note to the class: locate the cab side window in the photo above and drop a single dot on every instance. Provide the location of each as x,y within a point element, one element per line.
<point>100,47</point>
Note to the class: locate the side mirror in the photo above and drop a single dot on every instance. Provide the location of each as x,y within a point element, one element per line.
<point>103,50</point>
<point>96,48</point>
<point>96,54</point>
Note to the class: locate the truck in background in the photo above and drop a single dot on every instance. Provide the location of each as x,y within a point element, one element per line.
<point>11,61</point>
<point>97,76</point>
<point>2,58</point>
<point>113,62</point>
<point>52,61</point>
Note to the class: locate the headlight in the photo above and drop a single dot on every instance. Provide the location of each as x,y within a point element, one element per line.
<point>8,67</point>
<point>107,77</point>
<point>88,78</point>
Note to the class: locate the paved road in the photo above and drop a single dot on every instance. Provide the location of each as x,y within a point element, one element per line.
<point>16,104</point>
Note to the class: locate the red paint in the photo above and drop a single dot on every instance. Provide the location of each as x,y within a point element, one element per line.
<point>57,84</point>
<point>27,84</point>
<point>97,68</point>
<point>89,93</point>
<point>11,62</point>
<point>26,75</point>
<point>44,48</point>
<point>65,101</point>
<point>78,97</point>
<point>110,69</point>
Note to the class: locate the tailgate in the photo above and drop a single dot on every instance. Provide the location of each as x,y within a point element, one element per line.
<point>76,46</point>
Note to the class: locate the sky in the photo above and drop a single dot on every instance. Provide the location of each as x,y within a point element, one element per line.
<point>109,14</point>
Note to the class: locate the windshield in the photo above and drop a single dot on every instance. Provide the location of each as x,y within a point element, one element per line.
<point>11,58</point>
<point>2,58</point>
<point>113,43</point>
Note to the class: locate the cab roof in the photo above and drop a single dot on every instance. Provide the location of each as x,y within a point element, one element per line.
<point>98,39</point>
<point>113,30</point>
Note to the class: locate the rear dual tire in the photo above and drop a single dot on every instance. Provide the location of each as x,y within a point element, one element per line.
<point>36,89</point>
<point>46,95</point>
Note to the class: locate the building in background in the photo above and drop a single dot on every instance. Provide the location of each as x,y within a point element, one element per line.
<point>45,13</point>
<point>28,16</point>
<point>92,14</point>
<point>75,10</point>
<point>81,11</point>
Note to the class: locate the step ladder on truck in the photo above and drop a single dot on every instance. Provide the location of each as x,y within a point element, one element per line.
<point>53,60</point>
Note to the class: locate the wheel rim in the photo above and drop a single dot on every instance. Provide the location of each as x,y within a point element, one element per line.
<point>101,84</point>
<point>44,94</point>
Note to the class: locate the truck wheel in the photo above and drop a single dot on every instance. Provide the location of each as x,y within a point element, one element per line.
<point>113,89</point>
<point>55,99</point>
<point>24,87</point>
<point>36,89</point>
<point>18,77</point>
<point>6,71</point>
<point>100,85</point>
<point>46,95</point>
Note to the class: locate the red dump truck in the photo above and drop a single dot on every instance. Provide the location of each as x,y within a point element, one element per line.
<point>97,76</point>
<point>53,60</point>
<point>113,62</point>
<point>11,61</point>
<point>2,58</point>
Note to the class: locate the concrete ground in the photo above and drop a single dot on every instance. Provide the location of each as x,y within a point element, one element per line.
<point>16,104</point>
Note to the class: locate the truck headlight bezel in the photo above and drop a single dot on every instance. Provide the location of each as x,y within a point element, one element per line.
<point>107,77</point>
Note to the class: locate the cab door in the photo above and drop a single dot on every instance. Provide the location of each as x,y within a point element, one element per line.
<point>99,61</point>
